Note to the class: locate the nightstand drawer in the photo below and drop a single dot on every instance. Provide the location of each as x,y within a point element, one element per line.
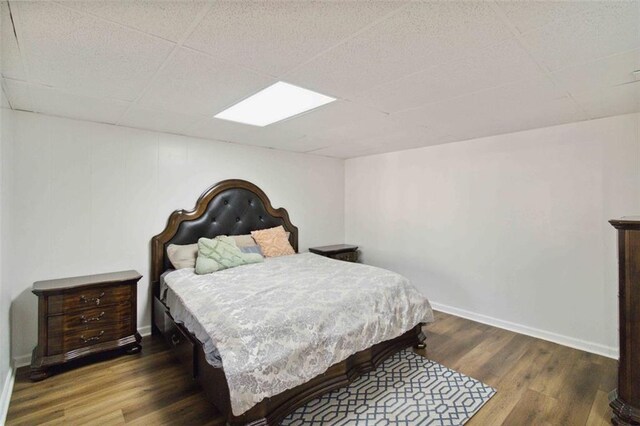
<point>89,298</point>
<point>61,339</point>
<point>350,256</point>
<point>96,334</point>
<point>108,316</point>
<point>344,252</point>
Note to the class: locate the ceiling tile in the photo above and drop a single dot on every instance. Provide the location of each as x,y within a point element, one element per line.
<point>500,64</point>
<point>507,107</point>
<point>10,60</point>
<point>417,37</point>
<point>532,115</point>
<point>365,129</point>
<point>445,71</point>
<point>18,94</point>
<point>328,116</point>
<point>610,28</point>
<point>195,83</point>
<point>382,133</point>
<point>404,137</point>
<point>228,131</point>
<point>343,151</point>
<point>166,19</point>
<point>609,71</point>
<point>399,138</point>
<point>480,105</point>
<point>85,55</point>
<point>542,114</point>
<point>3,98</point>
<point>609,101</point>
<point>389,136</point>
<point>404,145</point>
<point>528,15</point>
<point>55,102</point>
<point>162,121</point>
<point>304,144</point>
<point>46,100</point>
<point>275,36</point>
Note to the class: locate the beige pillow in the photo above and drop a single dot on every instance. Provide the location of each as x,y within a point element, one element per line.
<point>273,242</point>
<point>247,240</point>
<point>183,256</point>
<point>244,240</point>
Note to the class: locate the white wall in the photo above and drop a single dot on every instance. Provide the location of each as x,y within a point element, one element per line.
<point>87,198</point>
<point>511,229</point>
<point>5,299</point>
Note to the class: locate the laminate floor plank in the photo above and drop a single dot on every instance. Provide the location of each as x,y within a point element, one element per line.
<point>538,383</point>
<point>555,373</point>
<point>482,353</point>
<point>111,418</point>
<point>499,364</point>
<point>512,386</point>
<point>599,413</point>
<point>532,409</point>
<point>578,393</point>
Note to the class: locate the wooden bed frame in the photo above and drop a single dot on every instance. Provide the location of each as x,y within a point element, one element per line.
<point>235,207</point>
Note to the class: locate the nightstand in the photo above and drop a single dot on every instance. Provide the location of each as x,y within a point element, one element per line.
<point>82,316</point>
<point>344,252</point>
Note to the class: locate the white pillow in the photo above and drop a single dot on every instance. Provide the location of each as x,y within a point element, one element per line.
<point>244,240</point>
<point>183,256</point>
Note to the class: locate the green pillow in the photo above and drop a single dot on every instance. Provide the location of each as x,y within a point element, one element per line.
<point>221,253</point>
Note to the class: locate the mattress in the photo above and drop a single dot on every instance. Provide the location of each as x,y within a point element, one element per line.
<point>163,284</point>
<point>183,316</point>
<point>277,324</point>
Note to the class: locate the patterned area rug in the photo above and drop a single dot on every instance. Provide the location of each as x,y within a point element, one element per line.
<point>406,389</point>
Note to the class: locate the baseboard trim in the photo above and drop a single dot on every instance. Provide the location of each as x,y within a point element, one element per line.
<point>7,390</point>
<point>145,331</point>
<point>583,345</point>
<point>24,360</point>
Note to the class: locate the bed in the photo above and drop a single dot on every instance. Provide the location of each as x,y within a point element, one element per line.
<point>203,345</point>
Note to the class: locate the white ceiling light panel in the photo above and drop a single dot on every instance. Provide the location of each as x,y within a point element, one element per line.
<point>275,103</point>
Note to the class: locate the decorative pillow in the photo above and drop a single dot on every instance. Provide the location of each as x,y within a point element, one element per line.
<point>248,241</point>
<point>251,249</point>
<point>273,242</point>
<point>182,256</point>
<point>221,253</point>
<point>244,240</point>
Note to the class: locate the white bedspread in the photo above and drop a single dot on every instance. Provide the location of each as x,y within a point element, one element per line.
<point>280,323</point>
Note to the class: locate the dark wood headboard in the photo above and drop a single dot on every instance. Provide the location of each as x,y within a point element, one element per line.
<point>230,207</point>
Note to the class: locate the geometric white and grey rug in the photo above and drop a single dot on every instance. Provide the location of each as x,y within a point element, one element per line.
<point>406,389</point>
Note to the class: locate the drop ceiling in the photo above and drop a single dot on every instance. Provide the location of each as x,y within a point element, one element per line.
<point>406,74</point>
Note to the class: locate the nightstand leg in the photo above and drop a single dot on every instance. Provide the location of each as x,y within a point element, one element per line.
<point>134,349</point>
<point>421,338</point>
<point>38,374</point>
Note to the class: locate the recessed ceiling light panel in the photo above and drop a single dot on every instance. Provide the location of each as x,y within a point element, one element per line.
<point>277,102</point>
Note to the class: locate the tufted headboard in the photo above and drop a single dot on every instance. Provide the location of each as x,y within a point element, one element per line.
<point>230,207</point>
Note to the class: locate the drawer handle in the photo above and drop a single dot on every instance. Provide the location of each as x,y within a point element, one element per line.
<point>91,339</point>
<point>86,320</point>
<point>175,339</point>
<point>85,299</point>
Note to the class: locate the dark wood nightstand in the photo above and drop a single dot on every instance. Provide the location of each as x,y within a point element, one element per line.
<point>625,399</point>
<point>83,316</point>
<point>345,252</point>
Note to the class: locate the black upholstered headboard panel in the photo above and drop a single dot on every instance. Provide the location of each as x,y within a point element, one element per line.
<point>230,207</point>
